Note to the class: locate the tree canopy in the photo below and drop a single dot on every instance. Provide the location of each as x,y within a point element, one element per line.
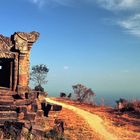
<point>83,94</point>
<point>39,74</point>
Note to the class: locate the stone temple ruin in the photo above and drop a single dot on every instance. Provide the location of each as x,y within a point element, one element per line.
<point>15,61</point>
<point>18,104</point>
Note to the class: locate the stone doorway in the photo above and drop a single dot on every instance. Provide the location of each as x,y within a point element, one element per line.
<point>6,72</point>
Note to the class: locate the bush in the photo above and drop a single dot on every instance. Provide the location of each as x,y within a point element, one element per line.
<point>126,105</point>
<point>129,107</point>
<point>136,105</point>
<point>39,88</point>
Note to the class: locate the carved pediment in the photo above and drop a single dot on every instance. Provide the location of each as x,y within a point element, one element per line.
<point>5,43</point>
<point>29,37</point>
<point>21,41</point>
<point>24,41</point>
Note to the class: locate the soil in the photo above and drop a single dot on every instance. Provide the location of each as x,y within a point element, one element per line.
<point>124,126</point>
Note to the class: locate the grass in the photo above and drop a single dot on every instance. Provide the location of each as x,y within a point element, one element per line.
<point>125,126</point>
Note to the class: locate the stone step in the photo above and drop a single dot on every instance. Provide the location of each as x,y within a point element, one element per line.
<point>27,123</point>
<point>2,93</point>
<point>3,120</point>
<point>30,116</point>
<point>8,114</point>
<point>22,108</point>
<point>5,92</point>
<point>6,102</point>
<point>23,102</point>
<point>7,108</point>
<point>6,97</point>
<point>53,114</point>
<point>38,130</point>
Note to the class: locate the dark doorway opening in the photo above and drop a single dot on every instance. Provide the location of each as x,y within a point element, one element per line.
<point>6,72</point>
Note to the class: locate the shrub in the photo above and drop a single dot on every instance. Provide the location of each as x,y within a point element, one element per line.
<point>39,88</point>
<point>126,105</point>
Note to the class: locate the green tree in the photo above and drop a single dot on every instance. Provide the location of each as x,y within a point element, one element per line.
<point>39,76</point>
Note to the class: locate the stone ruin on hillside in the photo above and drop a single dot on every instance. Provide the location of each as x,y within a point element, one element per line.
<point>15,60</point>
<point>19,106</point>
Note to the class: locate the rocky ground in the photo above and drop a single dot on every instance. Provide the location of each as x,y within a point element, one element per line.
<point>75,127</point>
<point>125,126</point>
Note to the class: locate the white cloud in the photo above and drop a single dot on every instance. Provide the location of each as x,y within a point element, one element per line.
<point>119,4</point>
<point>107,4</point>
<point>66,67</point>
<point>131,24</point>
<point>41,3</point>
<point>63,2</point>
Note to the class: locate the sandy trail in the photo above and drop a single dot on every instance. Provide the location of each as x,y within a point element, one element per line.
<point>94,121</point>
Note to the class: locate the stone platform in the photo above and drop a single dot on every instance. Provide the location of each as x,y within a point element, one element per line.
<point>26,111</point>
<point>16,109</point>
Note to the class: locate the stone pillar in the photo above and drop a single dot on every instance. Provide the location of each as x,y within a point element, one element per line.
<point>15,73</point>
<point>23,43</point>
<point>23,73</point>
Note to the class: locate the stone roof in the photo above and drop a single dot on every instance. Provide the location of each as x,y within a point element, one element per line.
<point>5,43</point>
<point>7,54</point>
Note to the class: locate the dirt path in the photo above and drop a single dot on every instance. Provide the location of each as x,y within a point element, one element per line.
<point>94,121</point>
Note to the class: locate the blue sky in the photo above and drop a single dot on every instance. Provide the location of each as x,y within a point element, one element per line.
<point>92,42</point>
